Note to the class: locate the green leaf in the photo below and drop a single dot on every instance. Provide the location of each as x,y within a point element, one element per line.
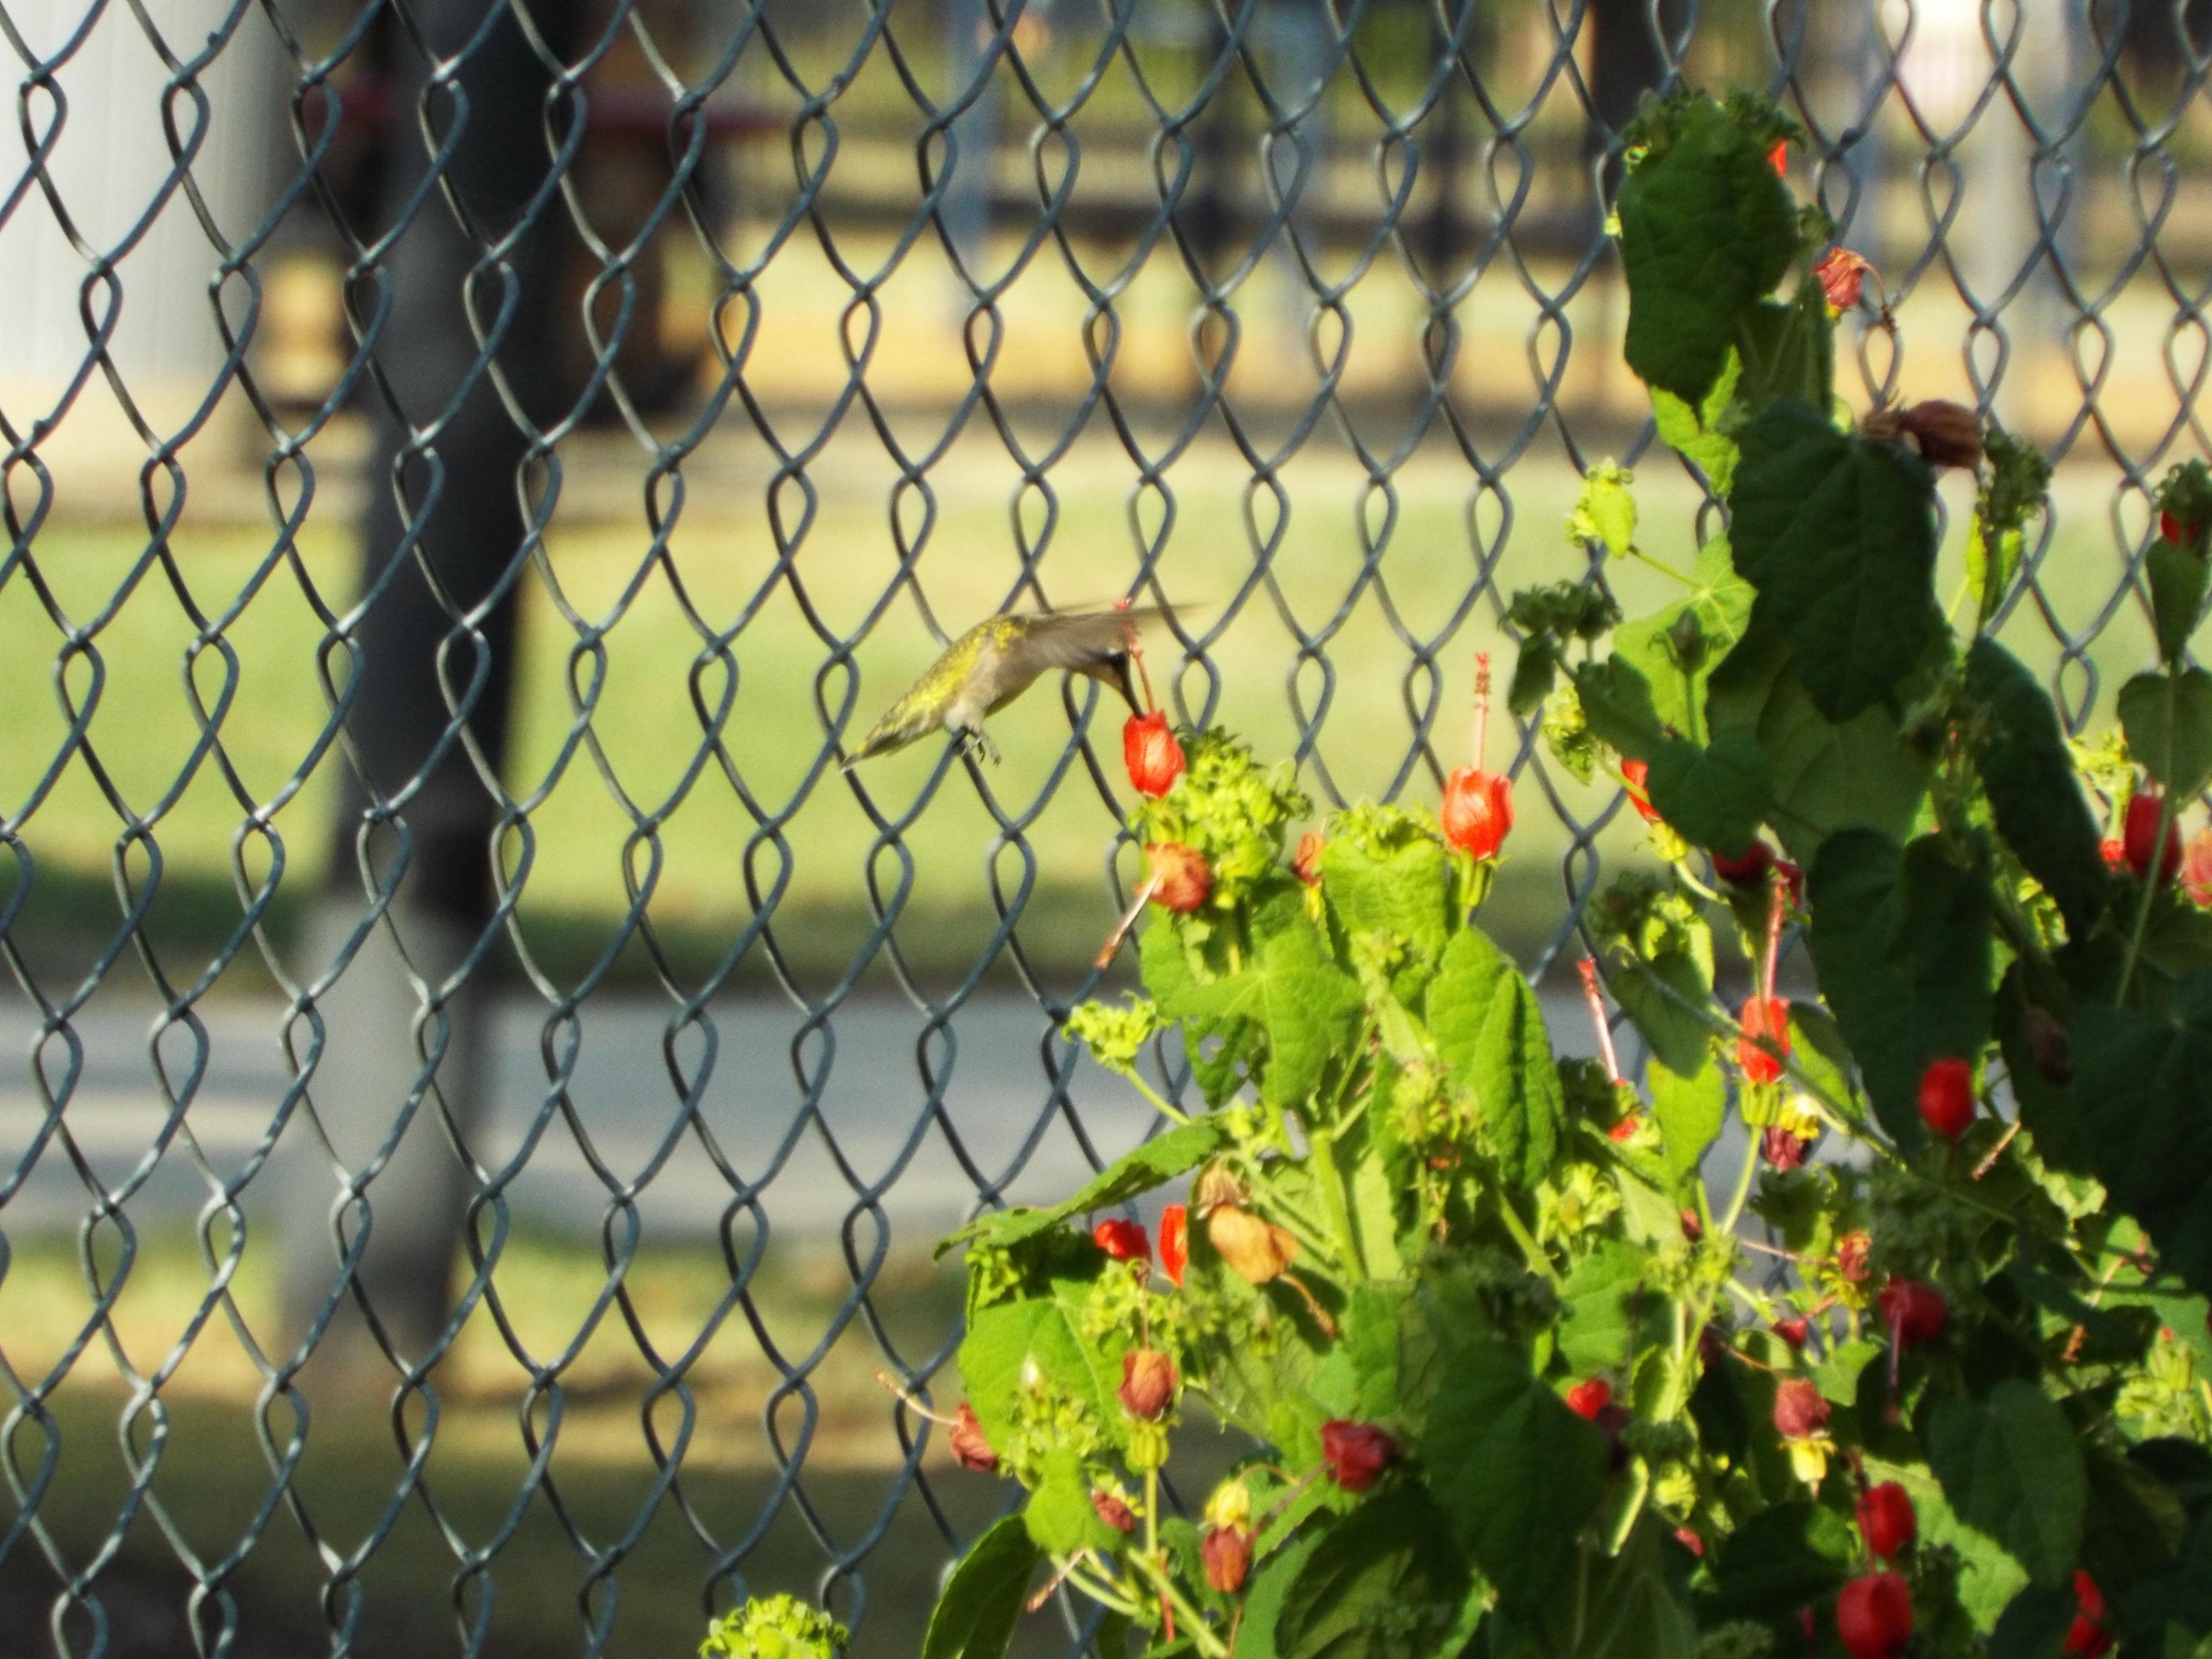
<point>2177,578</point>
<point>1516,1472</point>
<point>1790,351</point>
<point>1826,777</point>
<point>1291,991</point>
<point>1061,1518</point>
<point>1624,1607</point>
<point>1394,884</point>
<point>1004,1341</point>
<point>1384,1582</point>
<point>1690,1110</point>
<point>2169,727</point>
<point>1697,433</point>
<point>1678,657</point>
<point>2012,1468</point>
<point>2035,1623</point>
<point>1489,1029</point>
<point>1662,996</point>
<point>1838,536</point>
<point>1713,797</point>
<point>2033,794</point>
<point>974,1617</point>
<point>1604,512</point>
<point>1989,577</point>
<point>1599,1303</point>
<point>1617,706</point>
<point>1176,1151</point>
<point>1779,1560</point>
<point>1822,1055</point>
<point>1902,945</point>
<point>2142,1091</point>
<point>1706,230</point>
<point>1534,672</point>
<point>1264,1596</point>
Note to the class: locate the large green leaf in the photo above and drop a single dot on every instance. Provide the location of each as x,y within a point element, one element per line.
<point>1826,777</point>
<point>1489,1029</point>
<point>2033,794</point>
<point>2169,727</point>
<point>1291,990</point>
<point>974,1617</point>
<point>1990,1580</point>
<point>1902,944</point>
<point>1779,1560</point>
<point>1690,1111</point>
<point>1601,1305</point>
<point>1678,647</point>
<point>1395,886</point>
<point>1165,1157</point>
<point>1662,997</point>
<point>1788,350</point>
<point>1385,1581</point>
<point>1616,704</point>
<point>1004,1342</point>
<point>2177,577</point>
<point>1624,1607</point>
<point>1838,536</point>
<point>1061,1517</point>
<point>2012,1468</point>
<point>1270,1587</point>
<point>2142,1091</point>
<point>2035,1623</point>
<point>1706,231</point>
<point>1696,432</point>
<point>1713,797</point>
<point>1516,1471</point>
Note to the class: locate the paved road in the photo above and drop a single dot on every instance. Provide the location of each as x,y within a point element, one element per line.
<point>626,1110</point>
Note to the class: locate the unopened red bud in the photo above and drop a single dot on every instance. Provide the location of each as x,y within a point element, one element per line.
<point>1587,1398</point>
<point>1180,880</point>
<point>971,1447</point>
<point>1917,1313</point>
<point>1149,751</point>
<point>1887,1519</point>
<point>1793,1328</point>
<point>1356,1453</point>
<point>1307,863</point>
<point>1946,1096</point>
<point>1781,1148</point>
<point>1148,1383</point>
<point>1113,1511</point>
<point>1226,1553</point>
<point>1123,1240</point>
<point>2139,836</point>
<point>1800,1409</point>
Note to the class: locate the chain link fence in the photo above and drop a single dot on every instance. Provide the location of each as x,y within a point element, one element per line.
<point>487,1081</point>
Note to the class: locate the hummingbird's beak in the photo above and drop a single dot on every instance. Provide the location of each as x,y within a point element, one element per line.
<point>1125,681</point>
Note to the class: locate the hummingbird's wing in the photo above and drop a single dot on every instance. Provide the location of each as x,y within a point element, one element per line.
<point>1093,642</point>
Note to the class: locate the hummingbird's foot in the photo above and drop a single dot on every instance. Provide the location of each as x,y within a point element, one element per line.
<point>989,750</point>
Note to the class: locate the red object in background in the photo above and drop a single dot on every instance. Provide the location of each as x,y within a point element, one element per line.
<point>2086,1636</point>
<point>1793,1328</point>
<point>1917,1313</point>
<point>1946,1096</point>
<point>1768,1017</point>
<point>1356,1453</point>
<point>1587,1398</point>
<point>1478,812</point>
<point>1151,752</point>
<point>1887,1519</point>
<point>1874,1615</point>
<point>2140,831</point>
<point>2180,534</point>
<point>1174,1242</point>
<point>1748,871</point>
<point>1800,1411</point>
<point>1124,1240</point>
<point>1778,158</point>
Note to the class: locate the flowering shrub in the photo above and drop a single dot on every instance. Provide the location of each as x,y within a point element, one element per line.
<point>1928,1371</point>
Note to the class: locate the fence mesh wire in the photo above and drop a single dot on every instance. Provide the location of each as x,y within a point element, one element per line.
<point>538,439</point>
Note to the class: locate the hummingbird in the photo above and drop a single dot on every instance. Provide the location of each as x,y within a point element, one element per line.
<point>998,659</point>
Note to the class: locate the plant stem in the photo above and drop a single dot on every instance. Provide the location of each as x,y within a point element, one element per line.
<point>1530,1249</point>
<point>2150,879</point>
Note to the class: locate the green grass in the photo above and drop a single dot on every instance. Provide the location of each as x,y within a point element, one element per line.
<point>643,667</point>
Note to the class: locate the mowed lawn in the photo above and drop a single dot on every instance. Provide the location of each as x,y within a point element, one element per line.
<point>614,656</point>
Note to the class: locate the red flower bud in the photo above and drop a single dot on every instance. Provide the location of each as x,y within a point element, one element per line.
<point>1149,751</point>
<point>2086,1636</point>
<point>1180,880</point>
<point>1632,775</point>
<point>1113,1511</point>
<point>1750,870</point>
<point>971,1448</point>
<point>1948,434</point>
<point>1174,1242</point>
<point>2140,833</point>
<point>1587,1398</point>
<point>1148,1383</point>
<point>1226,1553</point>
<point>1841,273</point>
<point>2113,852</point>
<point>1356,1453</point>
<point>1946,1096</point>
<point>1478,812</point>
<point>1692,1229</point>
<point>1917,1313</point>
<point>1123,1240</point>
<point>1781,1148</point>
<point>1800,1410</point>
<point>1851,1257</point>
<point>1306,864</point>
<point>1887,1519</point>
<point>1778,158</point>
<point>1768,1017</point>
<point>1690,1541</point>
<point>1627,1128</point>
<point>1794,1329</point>
<point>1874,1615</point>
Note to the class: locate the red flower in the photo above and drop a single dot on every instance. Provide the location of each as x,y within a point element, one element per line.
<point>1793,1328</point>
<point>1124,1240</point>
<point>1851,1257</point>
<point>1917,1313</point>
<point>1627,1128</point>
<point>2114,854</point>
<point>1181,879</point>
<point>1778,158</point>
<point>1149,751</point>
<point>1174,1242</point>
<point>1356,1453</point>
<point>1632,775</point>
<point>1841,273</point>
<point>1148,1383</point>
<point>1768,1017</point>
<point>1800,1409</point>
<point>1946,1096</point>
<point>1306,864</point>
<point>971,1448</point>
<point>2196,870</point>
<point>1113,1511</point>
<point>1478,812</point>
<point>1887,1519</point>
<point>2139,833</point>
<point>1750,870</point>
<point>1874,1615</point>
<point>1226,1553</point>
<point>2086,1636</point>
<point>1783,1149</point>
<point>1587,1398</point>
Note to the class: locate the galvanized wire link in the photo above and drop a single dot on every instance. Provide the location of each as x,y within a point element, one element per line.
<point>2029,180</point>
